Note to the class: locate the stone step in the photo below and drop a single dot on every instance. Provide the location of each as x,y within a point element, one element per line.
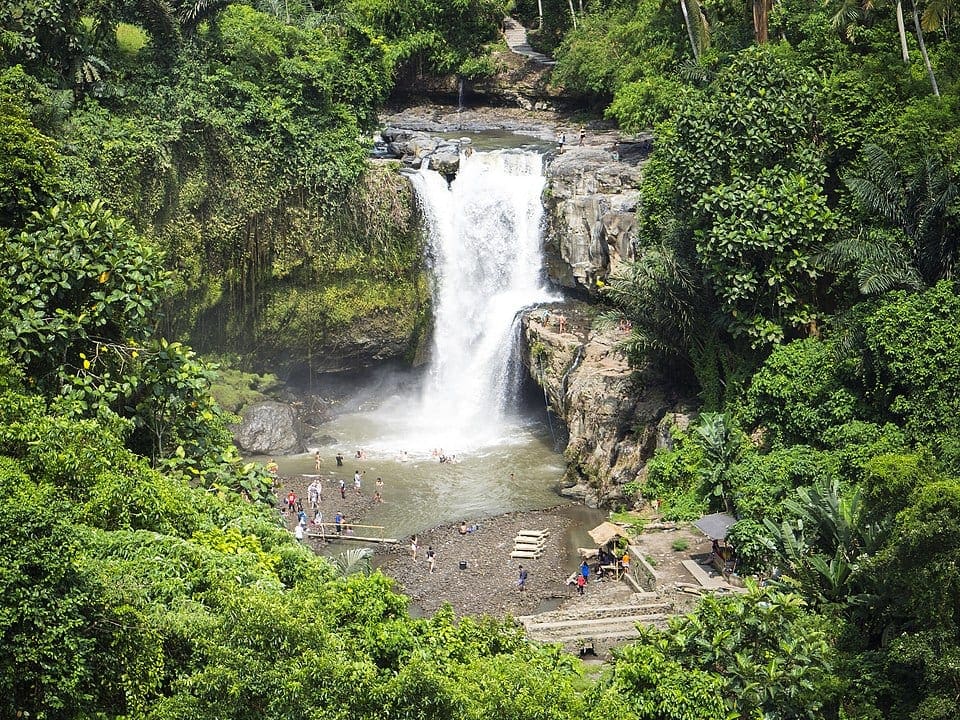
<point>702,576</point>
<point>611,612</point>
<point>597,622</point>
<point>625,634</point>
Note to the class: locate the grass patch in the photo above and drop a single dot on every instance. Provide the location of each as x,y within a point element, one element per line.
<point>680,544</point>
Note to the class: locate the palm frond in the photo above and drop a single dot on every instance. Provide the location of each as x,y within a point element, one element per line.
<point>354,560</point>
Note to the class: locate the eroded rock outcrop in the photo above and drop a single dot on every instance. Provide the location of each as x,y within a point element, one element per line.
<point>591,206</point>
<point>615,416</point>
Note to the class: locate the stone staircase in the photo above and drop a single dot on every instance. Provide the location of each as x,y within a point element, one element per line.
<point>578,626</point>
<point>516,36</point>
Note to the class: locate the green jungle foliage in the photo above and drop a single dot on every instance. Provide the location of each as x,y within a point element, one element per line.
<point>174,171</point>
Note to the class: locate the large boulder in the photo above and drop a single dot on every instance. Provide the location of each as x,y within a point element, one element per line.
<point>269,428</point>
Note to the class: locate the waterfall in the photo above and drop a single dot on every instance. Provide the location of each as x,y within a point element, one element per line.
<point>485,255</point>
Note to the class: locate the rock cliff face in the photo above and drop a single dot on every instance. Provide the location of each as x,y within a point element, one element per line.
<point>616,418</point>
<point>591,206</point>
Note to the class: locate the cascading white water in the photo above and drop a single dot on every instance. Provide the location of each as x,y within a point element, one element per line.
<point>484,251</point>
<point>485,237</point>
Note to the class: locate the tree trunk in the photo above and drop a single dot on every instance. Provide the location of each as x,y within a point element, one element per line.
<point>923,50</point>
<point>573,14</point>
<point>904,51</point>
<point>686,20</point>
<point>761,20</point>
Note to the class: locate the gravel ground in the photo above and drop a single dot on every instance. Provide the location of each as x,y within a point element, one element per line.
<point>488,585</point>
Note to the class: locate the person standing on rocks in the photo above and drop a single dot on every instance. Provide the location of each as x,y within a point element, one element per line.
<point>356,481</point>
<point>522,579</point>
<point>561,140</point>
<point>581,583</point>
<point>317,462</point>
<point>431,557</point>
<point>413,548</point>
<point>583,135</point>
<point>343,489</point>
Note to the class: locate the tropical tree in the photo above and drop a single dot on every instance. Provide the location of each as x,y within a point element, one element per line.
<point>722,446</point>
<point>912,240</point>
<point>823,543</point>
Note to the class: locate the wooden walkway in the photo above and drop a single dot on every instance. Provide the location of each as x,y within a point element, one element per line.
<point>328,531</point>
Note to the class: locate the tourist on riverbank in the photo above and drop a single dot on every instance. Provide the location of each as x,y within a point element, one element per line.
<point>339,459</point>
<point>431,557</point>
<point>291,501</point>
<point>581,583</point>
<point>317,462</point>
<point>298,533</point>
<point>413,548</point>
<point>356,482</point>
<point>314,494</point>
<point>522,579</point>
<point>338,522</point>
<point>343,489</point>
<point>585,571</point>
